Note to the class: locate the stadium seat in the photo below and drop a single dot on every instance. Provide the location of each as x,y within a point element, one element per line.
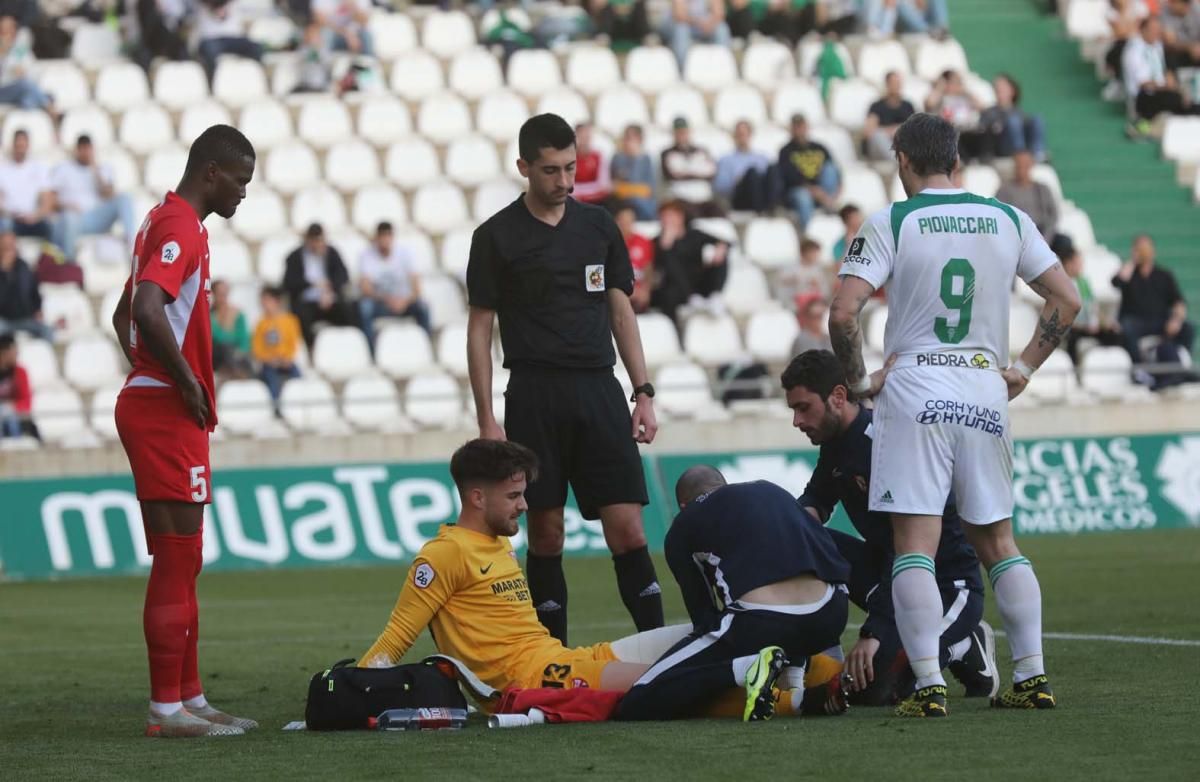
<point>416,75</point>
<point>500,114</point>
<point>770,334</point>
<point>420,247</point>
<point>146,128</point>
<point>439,206</point>
<point>58,413</point>
<point>259,215</point>
<point>68,310</point>
<point>178,85</point>
<point>239,82</point>
<point>915,90</point>
<point>318,204</point>
<point>766,64</point>
<point>377,203</point>
<point>500,378</point>
<point>745,291</point>
<point>370,403</point>
<point>87,119</point>
<point>323,122</point>
<point>863,187</point>
<point>274,33</point>
<point>351,164</point>
<point>272,255</point>
<point>710,67</point>
<point>456,251</point>
<point>1075,223</point>
<point>771,242</point>
<point>104,403</point>
<point>444,295</point>
<point>651,69</point>
<point>308,405</point>
<point>452,349</point>
<point>403,350</point>
<point>472,160</point>
<point>434,400</point>
<point>491,197</point>
<point>874,331</point>
<point>474,73</point>
<point>660,340</point>
<point>163,168</point>
<point>443,118</point>
<point>711,341</point>
<point>40,362</point>
<point>42,138</point>
<point>981,180</point>
<point>291,167</point>
<point>825,230</point>
<point>350,243</point>
<point>1055,380</point>
<point>1181,139</point>
<point>980,88</point>
<point>683,391</point>
<point>95,44</point>
<point>446,33</point>
<point>876,59</point>
<point>393,34</point>
<point>680,101</point>
<point>768,139</point>
<point>91,362</point>
<point>619,107</point>
<point>798,96</point>
<point>532,72</point>
<point>105,264</point>
<point>838,141</point>
<point>65,81</point>
<point>412,162</point>
<point>382,120</point>
<point>933,58</point>
<point>246,406</point>
<point>229,259</point>
<point>566,103</point>
<point>1087,20</point>
<point>1106,373</point>
<point>1022,323</point>
<point>197,117</point>
<point>341,352</point>
<point>739,102</point>
<point>592,69</point>
<point>810,53</point>
<point>267,124</point>
<point>1045,173</point>
<point>849,101</point>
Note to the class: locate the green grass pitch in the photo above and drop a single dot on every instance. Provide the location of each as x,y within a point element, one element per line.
<point>75,687</point>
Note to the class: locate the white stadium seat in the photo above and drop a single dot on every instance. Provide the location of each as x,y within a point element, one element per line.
<point>1086,20</point>
<point>178,85</point>
<point>826,230</point>
<point>532,72</point>
<point>769,335</point>
<point>452,349</point>
<point>393,34</point>
<point>592,69</point>
<point>420,247</point>
<point>1075,223</point>
<point>1055,380</point>
<point>434,400</point>
<point>849,100</point>
<point>683,391</point>
<point>1045,173</point>
<point>981,180</point>
<point>416,75</point>
<point>377,203</point>
<point>619,107</point>
<point>447,307</point>
<point>65,81</point>
<point>104,403</point>
<point>68,310</point>
<point>876,326</point>
<point>403,350</point>
<point>246,406</point>
<point>291,167</point>
<point>229,259</point>
<point>351,164</point>
<point>146,128</point>
<point>838,141</point>
<point>474,73</point>
<point>239,82</point>
<point>341,352</point>
<point>455,252</point>
<point>446,33</point>
<point>1106,372</point>
<point>199,117</point>
<point>259,215</point>
<point>711,341</point>
<point>89,119</point>
<point>371,403</point>
<point>769,139</point>
<point>412,162</point>
<point>58,413</point>
<point>39,126</point>
<point>660,340</point>
<point>710,67</point>
<point>935,57</point>
<point>566,103</point>
<point>382,120</point>
<point>876,59</point>
<point>1022,323</point>
<point>323,122</point>
<point>443,118</point>
<point>273,32</point>
<point>811,50</point>
<point>439,206</point>
<point>863,187</point>
<point>91,362</point>
<point>105,263</point>
<point>739,102</point>
<point>163,168</point>
<point>651,69</point>
<point>94,44</point>
<point>272,256</point>
<point>266,123</point>
<point>1181,139</point>
<point>771,242</point>
<point>318,204</point>
<point>40,362</point>
<point>308,405</point>
<point>746,290</point>
<point>766,64</point>
<point>491,197</point>
<point>500,114</point>
<point>472,160</point>
<point>680,101</point>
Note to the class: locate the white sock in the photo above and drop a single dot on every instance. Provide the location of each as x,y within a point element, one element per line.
<point>199,702</point>
<point>792,678</point>
<point>165,709</point>
<point>959,650</point>
<point>741,666</point>
<point>1019,599</point>
<point>918,605</point>
<point>1028,667</point>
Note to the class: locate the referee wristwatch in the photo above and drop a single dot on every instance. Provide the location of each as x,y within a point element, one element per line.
<point>644,388</point>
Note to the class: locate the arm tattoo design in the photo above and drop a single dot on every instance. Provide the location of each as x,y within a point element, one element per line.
<point>1051,330</point>
<point>847,344</point>
<point>1040,287</point>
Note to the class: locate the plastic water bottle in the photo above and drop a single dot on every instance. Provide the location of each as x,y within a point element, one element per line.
<point>422,719</point>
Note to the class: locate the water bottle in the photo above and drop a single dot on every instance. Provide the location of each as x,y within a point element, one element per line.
<point>422,719</point>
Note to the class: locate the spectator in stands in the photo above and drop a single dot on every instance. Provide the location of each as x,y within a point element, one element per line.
<point>625,22</point>
<point>161,25</point>
<point>689,20</point>
<point>315,279</point>
<point>807,278</point>
<point>26,196</point>
<point>1151,302</point>
<point>641,256</point>
<point>633,174</point>
<point>20,300</point>
<point>390,284</point>
<point>87,200</point>
<point>810,177</point>
<point>316,61</point>
<point>16,56</point>
<point>950,100</point>
<point>276,343</point>
<point>593,183</point>
<point>790,20</point>
<point>1151,88</point>
<point>1091,323</point>
<point>230,334</point>
<point>812,312</point>
<point>1181,33</point>
<point>219,30</point>
<point>1008,128</point>
<point>852,221</point>
<point>884,116</point>
<point>16,397</point>
<point>1033,198</point>
<point>837,17</point>
<point>344,25</point>
<point>742,175</point>
<point>689,265</point>
<point>688,170</point>
<point>884,18</point>
<point>1124,18</point>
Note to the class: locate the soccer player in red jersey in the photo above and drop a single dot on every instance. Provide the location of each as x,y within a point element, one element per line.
<point>164,416</point>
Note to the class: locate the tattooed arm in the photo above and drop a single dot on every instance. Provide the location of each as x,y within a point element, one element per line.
<point>845,330</point>
<point>1058,313</point>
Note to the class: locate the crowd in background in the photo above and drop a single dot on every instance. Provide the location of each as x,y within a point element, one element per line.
<point>1154,59</point>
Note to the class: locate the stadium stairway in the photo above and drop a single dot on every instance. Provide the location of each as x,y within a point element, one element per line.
<point>1126,188</point>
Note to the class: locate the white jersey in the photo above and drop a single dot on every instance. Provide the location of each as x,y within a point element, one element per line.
<point>949,259</point>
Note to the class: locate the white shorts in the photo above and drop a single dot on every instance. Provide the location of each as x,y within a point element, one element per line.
<point>938,429</point>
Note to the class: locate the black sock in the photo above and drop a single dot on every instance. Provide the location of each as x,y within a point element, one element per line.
<point>639,588</point>
<point>548,590</point>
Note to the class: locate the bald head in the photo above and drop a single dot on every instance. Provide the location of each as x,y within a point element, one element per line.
<point>695,481</point>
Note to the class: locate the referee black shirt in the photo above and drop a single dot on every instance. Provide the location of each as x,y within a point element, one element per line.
<point>549,284</point>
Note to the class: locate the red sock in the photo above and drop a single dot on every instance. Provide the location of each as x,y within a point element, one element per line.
<point>166,615</point>
<point>189,683</point>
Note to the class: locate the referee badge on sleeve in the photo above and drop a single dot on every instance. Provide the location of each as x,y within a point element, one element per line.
<point>593,277</point>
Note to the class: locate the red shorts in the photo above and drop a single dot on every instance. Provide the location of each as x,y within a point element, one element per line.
<point>167,449</point>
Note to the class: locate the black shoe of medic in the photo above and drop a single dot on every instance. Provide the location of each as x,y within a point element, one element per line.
<point>925,702</point>
<point>977,671</point>
<point>1032,693</point>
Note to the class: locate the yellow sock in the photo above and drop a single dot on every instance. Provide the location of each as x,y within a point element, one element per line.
<point>821,668</point>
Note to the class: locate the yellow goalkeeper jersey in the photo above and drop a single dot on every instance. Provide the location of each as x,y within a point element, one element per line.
<point>469,590</point>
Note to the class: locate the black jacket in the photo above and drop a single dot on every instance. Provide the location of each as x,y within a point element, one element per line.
<point>293,276</point>
<point>19,296</point>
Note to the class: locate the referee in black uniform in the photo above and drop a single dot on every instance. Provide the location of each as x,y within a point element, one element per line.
<point>557,273</point>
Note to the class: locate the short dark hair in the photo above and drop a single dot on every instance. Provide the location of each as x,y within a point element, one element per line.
<point>809,244</point>
<point>1016,87</point>
<point>817,370</point>
<point>635,129</point>
<point>84,140</point>
<point>7,341</point>
<point>314,231</point>
<point>697,480</point>
<point>274,291</point>
<point>848,210</point>
<point>929,142</point>
<point>384,227</point>
<point>490,461</point>
<point>224,145</point>
<point>542,131</point>
<point>21,133</point>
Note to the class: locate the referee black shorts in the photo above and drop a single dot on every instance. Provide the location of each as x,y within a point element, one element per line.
<point>578,424</point>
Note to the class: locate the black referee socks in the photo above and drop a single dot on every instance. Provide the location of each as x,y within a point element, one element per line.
<point>639,588</point>
<point>548,591</point>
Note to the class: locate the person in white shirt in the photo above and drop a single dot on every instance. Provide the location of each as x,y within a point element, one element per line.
<point>391,286</point>
<point>26,197</point>
<point>219,28</point>
<point>16,55</point>
<point>1150,86</point>
<point>87,200</point>
<point>344,24</point>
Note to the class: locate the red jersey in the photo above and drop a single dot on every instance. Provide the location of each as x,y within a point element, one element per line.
<point>172,252</point>
<point>641,256</point>
<point>14,390</point>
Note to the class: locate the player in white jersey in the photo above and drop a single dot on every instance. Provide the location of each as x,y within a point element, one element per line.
<point>950,260</point>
